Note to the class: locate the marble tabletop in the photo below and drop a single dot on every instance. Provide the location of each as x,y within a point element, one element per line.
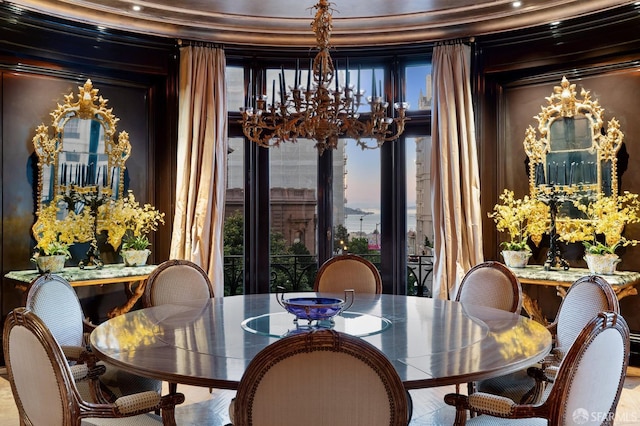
<point>430,342</point>
<point>108,273</point>
<point>560,276</point>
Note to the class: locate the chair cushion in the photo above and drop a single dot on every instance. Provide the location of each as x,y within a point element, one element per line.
<point>326,373</point>
<point>179,283</point>
<point>122,383</point>
<point>581,303</point>
<point>347,274</point>
<point>56,303</point>
<point>140,420</point>
<point>599,366</point>
<point>32,368</point>
<point>488,287</point>
<point>486,420</point>
<point>513,386</point>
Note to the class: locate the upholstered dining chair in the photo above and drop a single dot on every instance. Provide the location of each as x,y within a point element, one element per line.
<point>493,285</point>
<point>44,385</point>
<point>586,390</point>
<point>177,280</point>
<point>321,377</point>
<point>56,303</point>
<point>586,297</point>
<point>348,271</point>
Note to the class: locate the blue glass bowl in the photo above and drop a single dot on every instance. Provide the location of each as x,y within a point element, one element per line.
<point>315,308</point>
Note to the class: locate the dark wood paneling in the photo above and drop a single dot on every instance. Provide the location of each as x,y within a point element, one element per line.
<point>67,46</point>
<point>599,38</point>
<point>517,70</point>
<point>41,60</point>
<point>27,101</point>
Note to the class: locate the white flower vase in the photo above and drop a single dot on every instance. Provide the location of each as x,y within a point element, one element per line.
<point>52,264</point>
<point>516,258</point>
<point>135,257</point>
<point>602,264</point>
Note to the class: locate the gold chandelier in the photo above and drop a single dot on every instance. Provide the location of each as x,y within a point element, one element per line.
<point>320,112</point>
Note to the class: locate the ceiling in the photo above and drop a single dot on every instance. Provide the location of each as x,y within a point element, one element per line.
<point>287,22</point>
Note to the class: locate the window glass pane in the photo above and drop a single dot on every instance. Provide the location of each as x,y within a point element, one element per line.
<point>418,87</point>
<point>339,196</point>
<point>273,92</point>
<point>234,219</point>
<point>369,82</point>
<point>357,194</point>
<point>419,216</point>
<point>293,182</point>
<point>359,231</point>
<point>234,77</point>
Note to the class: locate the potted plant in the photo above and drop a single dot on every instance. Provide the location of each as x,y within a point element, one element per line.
<point>55,236</point>
<point>601,229</point>
<point>135,249</point>
<point>128,225</point>
<point>521,219</point>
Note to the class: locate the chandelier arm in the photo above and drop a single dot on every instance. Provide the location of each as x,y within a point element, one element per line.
<point>320,112</point>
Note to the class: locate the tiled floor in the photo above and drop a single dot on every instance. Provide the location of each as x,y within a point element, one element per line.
<point>203,408</point>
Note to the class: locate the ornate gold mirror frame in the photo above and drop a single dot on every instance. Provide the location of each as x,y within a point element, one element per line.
<point>573,155</point>
<point>572,162</point>
<point>80,159</point>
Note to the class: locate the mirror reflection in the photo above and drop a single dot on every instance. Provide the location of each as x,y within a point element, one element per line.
<point>80,158</point>
<point>573,156</point>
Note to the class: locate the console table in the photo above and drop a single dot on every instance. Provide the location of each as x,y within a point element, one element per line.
<point>134,279</point>
<point>623,283</point>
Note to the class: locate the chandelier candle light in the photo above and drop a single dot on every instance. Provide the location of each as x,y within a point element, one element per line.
<point>320,112</point>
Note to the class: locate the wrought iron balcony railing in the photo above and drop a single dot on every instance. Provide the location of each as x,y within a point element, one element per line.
<point>298,273</point>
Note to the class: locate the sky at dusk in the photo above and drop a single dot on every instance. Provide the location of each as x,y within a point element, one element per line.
<point>363,167</point>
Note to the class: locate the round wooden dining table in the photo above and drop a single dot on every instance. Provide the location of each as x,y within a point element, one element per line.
<point>430,342</point>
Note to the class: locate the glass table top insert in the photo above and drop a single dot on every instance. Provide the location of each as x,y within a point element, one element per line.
<point>282,324</point>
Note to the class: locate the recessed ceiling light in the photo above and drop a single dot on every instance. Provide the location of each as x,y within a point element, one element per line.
<point>136,8</point>
<point>516,4</point>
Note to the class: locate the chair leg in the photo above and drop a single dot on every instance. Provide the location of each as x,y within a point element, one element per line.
<point>471,389</point>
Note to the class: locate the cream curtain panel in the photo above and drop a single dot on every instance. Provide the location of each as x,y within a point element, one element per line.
<point>457,216</point>
<point>201,162</point>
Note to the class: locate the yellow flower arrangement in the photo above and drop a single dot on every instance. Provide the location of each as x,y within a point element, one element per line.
<point>521,219</point>
<point>128,223</point>
<point>604,216</point>
<point>55,236</point>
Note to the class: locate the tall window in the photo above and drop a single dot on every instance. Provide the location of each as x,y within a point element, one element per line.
<point>419,215</point>
<point>419,220</point>
<point>359,199</point>
<point>234,219</point>
<point>234,208</point>
<point>356,190</point>
<point>419,89</point>
<point>295,197</point>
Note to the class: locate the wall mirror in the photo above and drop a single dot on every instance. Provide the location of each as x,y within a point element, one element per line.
<point>79,156</point>
<point>572,155</point>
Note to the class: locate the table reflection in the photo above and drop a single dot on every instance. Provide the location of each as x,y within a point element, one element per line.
<point>430,342</point>
<point>282,324</point>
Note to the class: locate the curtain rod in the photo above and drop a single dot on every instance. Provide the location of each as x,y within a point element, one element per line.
<point>195,43</point>
<point>469,41</point>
